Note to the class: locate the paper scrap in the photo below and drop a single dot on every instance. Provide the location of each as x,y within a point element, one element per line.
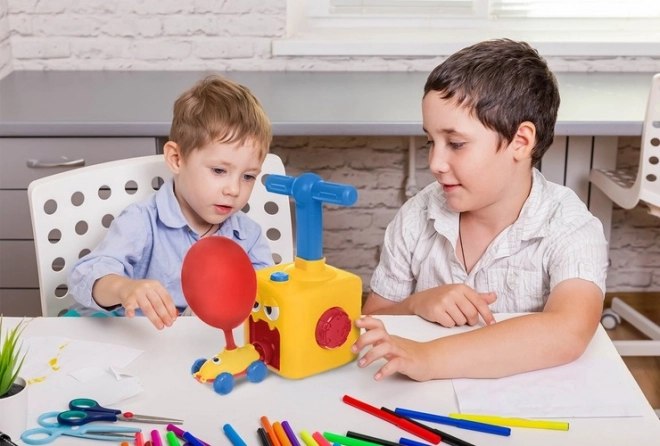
<point>588,387</point>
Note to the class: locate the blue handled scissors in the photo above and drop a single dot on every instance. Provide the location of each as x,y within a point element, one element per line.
<point>85,410</point>
<point>50,430</point>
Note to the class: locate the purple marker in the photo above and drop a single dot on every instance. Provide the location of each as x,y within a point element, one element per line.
<point>290,434</point>
<point>190,438</point>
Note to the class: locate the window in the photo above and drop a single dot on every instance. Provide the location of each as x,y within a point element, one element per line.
<point>439,27</point>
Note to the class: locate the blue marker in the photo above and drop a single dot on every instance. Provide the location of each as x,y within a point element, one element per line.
<point>462,424</point>
<point>408,442</point>
<point>233,436</point>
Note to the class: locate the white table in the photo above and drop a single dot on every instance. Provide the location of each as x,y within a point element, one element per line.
<point>313,403</point>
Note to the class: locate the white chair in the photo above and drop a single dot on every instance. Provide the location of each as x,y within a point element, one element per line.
<point>626,190</point>
<point>71,211</point>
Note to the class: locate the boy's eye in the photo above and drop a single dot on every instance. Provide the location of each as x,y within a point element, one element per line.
<point>456,145</point>
<point>428,145</point>
<point>218,171</point>
<point>247,177</point>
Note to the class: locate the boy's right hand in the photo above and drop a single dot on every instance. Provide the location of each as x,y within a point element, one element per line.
<point>456,304</point>
<point>152,298</point>
<point>148,295</point>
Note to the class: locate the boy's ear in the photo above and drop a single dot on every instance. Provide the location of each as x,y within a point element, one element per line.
<point>173,157</point>
<point>524,141</point>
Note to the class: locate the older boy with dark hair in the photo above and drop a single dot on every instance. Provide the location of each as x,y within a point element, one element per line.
<point>491,235</point>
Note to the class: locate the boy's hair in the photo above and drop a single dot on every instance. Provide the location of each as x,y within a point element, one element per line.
<point>217,109</point>
<point>504,83</point>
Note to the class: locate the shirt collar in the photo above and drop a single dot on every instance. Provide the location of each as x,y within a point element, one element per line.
<point>531,223</point>
<point>169,213</point>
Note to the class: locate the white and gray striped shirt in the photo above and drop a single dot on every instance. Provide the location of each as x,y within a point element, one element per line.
<point>555,238</point>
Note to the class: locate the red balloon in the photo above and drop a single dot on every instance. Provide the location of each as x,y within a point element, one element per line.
<point>219,282</point>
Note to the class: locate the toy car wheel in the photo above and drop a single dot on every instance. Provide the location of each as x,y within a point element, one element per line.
<point>256,372</point>
<point>197,365</point>
<point>223,383</point>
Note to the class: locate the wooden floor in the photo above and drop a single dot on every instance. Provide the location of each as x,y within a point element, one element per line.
<point>646,370</point>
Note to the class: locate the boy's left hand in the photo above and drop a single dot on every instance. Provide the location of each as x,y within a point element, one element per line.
<point>402,355</point>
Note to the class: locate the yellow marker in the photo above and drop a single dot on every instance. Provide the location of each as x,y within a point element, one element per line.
<point>308,439</point>
<point>513,422</point>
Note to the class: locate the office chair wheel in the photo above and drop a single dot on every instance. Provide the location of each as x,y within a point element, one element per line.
<point>609,319</point>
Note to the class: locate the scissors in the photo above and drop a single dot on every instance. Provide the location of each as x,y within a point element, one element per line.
<point>50,430</point>
<point>85,410</point>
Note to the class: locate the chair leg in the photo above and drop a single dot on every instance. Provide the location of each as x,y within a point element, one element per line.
<point>649,347</point>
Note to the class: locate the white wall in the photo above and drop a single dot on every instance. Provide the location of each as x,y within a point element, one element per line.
<point>236,35</point>
<point>5,44</point>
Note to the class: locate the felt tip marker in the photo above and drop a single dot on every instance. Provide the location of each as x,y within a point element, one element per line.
<point>320,439</point>
<point>265,423</point>
<point>462,424</point>
<point>446,438</point>
<point>347,441</point>
<point>155,438</point>
<point>408,442</point>
<point>233,436</point>
<point>370,439</point>
<point>139,439</point>
<point>182,434</point>
<point>398,422</point>
<point>290,434</point>
<point>512,422</point>
<point>171,439</point>
<point>281,435</point>
<point>307,438</point>
<point>263,437</point>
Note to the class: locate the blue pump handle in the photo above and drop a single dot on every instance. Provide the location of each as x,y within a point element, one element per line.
<point>310,192</point>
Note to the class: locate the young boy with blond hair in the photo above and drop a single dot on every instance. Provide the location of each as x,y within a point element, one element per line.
<point>218,141</point>
<point>491,235</point>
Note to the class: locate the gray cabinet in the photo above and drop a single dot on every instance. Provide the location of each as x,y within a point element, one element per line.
<point>23,160</point>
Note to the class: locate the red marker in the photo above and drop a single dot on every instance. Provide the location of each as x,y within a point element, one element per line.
<point>398,422</point>
<point>320,439</point>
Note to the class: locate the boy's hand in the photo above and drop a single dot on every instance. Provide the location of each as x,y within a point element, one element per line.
<point>152,298</point>
<point>451,305</point>
<point>402,355</point>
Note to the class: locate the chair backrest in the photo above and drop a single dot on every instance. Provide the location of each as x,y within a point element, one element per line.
<point>71,212</point>
<point>649,170</point>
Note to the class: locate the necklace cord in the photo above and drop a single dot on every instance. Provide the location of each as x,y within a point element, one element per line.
<point>213,224</point>
<point>460,241</point>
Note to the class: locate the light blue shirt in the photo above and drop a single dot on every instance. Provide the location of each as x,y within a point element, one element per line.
<point>149,240</point>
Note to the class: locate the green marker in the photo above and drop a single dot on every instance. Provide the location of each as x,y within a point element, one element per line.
<point>347,441</point>
<point>172,440</point>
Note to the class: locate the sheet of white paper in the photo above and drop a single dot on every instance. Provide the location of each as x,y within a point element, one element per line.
<point>60,369</point>
<point>588,387</point>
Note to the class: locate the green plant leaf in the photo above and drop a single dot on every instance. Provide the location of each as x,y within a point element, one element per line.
<point>11,360</point>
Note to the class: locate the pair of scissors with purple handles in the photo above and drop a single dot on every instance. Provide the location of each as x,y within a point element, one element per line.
<point>84,410</point>
<point>51,429</point>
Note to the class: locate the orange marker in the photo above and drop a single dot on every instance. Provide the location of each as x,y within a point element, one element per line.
<point>269,430</point>
<point>281,434</point>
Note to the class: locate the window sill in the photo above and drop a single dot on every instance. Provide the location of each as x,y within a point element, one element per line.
<point>410,43</point>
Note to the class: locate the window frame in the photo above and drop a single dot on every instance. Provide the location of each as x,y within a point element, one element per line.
<point>312,34</point>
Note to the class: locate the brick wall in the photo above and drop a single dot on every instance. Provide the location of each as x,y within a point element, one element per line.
<point>236,35</point>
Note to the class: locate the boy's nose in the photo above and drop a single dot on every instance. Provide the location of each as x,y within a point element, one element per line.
<point>438,162</point>
<point>232,187</point>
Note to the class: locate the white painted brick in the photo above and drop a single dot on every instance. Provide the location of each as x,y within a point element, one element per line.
<point>161,50</point>
<point>26,48</point>
<point>66,25</point>
<point>223,48</point>
<point>38,6</point>
<point>256,25</point>
<point>21,24</point>
<point>93,6</point>
<point>206,24</point>
<point>271,7</point>
<point>149,7</point>
<point>101,48</point>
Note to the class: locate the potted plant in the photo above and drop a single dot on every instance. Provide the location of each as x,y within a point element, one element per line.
<point>13,388</point>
